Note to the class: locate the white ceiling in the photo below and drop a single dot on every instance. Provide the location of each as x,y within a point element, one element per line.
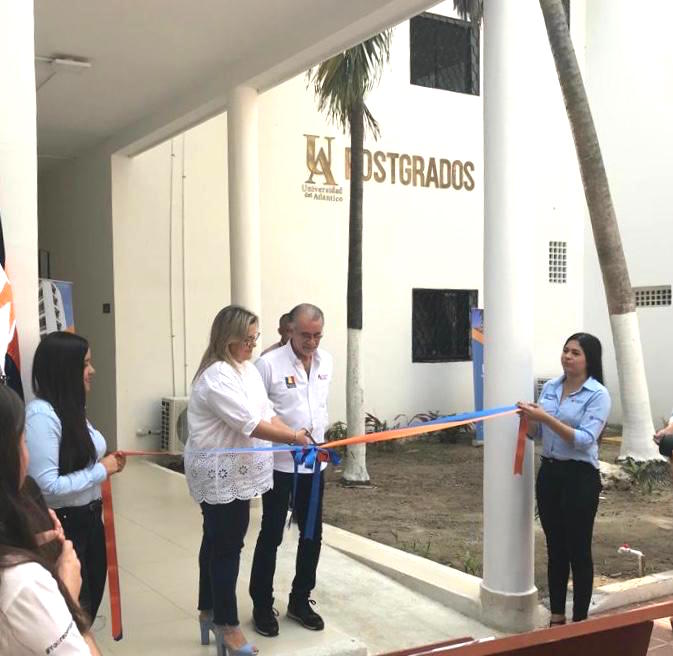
<point>160,66</point>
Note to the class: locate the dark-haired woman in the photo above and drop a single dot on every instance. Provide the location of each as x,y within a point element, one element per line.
<point>67,454</point>
<point>570,417</point>
<point>38,611</point>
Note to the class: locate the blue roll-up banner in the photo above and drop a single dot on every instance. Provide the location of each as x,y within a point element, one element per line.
<point>477,324</point>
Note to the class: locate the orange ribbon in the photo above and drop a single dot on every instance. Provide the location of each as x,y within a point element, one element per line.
<point>412,431</point>
<point>112,565</point>
<point>520,445</point>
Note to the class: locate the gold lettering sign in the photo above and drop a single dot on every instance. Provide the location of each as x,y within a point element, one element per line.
<point>320,164</point>
<point>382,167</point>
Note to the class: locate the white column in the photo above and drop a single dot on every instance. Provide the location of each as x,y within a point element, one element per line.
<point>244,228</point>
<point>18,170</point>
<point>508,592</point>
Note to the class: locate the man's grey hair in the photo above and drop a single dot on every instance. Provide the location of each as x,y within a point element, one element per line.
<point>313,312</point>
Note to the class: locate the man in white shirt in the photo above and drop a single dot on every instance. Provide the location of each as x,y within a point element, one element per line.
<point>296,377</point>
<point>284,330</point>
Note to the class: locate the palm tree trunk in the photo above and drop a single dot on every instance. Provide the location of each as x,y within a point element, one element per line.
<point>355,468</point>
<point>637,416</point>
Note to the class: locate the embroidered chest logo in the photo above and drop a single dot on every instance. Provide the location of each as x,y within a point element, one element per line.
<point>322,376</point>
<point>290,382</point>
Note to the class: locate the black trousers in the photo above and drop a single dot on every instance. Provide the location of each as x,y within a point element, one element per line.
<point>567,500</point>
<point>224,528</point>
<point>275,504</point>
<point>83,526</point>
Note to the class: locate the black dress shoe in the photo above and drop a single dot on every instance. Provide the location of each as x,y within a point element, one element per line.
<point>300,610</point>
<point>265,621</point>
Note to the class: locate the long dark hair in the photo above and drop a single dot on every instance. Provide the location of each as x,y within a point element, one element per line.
<point>593,352</point>
<point>22,516</point>
<point>58,378</point>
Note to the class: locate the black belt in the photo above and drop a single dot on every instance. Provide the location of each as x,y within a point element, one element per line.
<point>92,507</point>
<point>569,461</point>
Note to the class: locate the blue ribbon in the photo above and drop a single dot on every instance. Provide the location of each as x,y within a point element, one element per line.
<point>308,457</point>
<point>466,416</point>
<point>308,454</point>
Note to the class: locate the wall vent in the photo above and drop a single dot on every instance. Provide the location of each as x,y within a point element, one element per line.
<point>655,296</point>
<point>558,262</point>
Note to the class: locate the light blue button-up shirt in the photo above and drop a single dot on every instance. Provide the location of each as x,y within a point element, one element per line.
<point>43,437</point>
<point>585,410</point>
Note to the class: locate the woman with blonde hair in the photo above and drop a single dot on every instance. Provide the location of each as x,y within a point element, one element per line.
<point>229,409</point>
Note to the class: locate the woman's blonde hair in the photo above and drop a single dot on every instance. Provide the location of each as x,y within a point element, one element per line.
<point>230,325</point>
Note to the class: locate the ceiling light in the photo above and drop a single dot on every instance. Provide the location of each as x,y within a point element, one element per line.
<point>65,63</point>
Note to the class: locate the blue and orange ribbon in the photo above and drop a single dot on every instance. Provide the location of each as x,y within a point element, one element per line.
<point>311,456</point>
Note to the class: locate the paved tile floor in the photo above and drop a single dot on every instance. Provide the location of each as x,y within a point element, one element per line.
<point>661,643</point>
<point>158,537</point>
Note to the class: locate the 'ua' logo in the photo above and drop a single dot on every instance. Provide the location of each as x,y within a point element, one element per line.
<point>320,164</point>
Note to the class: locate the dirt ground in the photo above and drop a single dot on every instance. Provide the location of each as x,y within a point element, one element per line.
<point>426,498</point>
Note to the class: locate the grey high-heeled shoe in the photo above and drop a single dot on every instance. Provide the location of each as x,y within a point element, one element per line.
<point>206,626</point>
<point>223,649</point>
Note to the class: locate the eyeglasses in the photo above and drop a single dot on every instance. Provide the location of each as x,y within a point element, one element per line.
<point>316,337</point>
<point>251,341</point>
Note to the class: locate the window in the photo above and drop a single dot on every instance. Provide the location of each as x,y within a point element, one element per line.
<point>440,324</point>
<point>653,296</point>
<point>558,262</point>
<point>444,53</point>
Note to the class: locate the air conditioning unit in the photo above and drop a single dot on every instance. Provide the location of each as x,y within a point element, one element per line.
<point>539,384</point>
<point>174,431</point>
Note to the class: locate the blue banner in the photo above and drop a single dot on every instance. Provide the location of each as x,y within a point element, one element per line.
<point>477,324</point>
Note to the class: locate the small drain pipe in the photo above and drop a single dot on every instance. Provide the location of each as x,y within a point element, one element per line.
<point>625,549</point>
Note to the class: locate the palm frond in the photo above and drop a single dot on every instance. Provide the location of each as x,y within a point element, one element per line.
<point>348,77</point>
<point>470,9</point>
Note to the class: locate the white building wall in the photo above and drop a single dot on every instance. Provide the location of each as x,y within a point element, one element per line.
<point>561,208</point>
<point>179,183</point>
<point>414,236</point>
<point>630,86</point>
<point>18,173</point>
<point>75,226</point>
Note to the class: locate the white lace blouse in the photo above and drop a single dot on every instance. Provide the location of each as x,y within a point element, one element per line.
<point>225,406</point>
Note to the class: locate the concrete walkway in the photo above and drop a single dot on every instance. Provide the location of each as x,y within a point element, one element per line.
<point>365,610</point>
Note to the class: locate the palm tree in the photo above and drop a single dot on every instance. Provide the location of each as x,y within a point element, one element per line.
<point>341,84</point>
<point>637,416</point>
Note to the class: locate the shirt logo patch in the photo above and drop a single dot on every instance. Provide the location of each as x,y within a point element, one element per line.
<point>290,382</point>
<point>322,376</point>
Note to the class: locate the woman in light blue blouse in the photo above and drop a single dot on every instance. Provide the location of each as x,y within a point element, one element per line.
<point>570,416</point>
<point>67,454</point>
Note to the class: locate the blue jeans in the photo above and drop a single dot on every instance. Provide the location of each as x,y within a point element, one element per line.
<point>224,527</point>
